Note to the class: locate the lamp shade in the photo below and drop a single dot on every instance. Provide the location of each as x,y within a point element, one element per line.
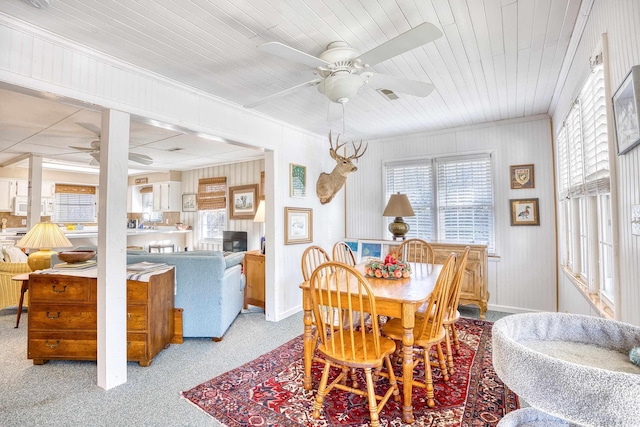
<point>259,217</point>
<point>43,236</point>
<point>398,205</point>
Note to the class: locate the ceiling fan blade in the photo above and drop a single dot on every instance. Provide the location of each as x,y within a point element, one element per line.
<point>140,158</point>
<point>90,127</point>
<point>417,36</point>
<point>82,148</point>
<point>295,55</point>
<point>283,93</point>
<point>397,84</point>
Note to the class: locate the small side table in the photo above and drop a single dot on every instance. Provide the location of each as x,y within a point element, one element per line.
<point>24,278</point>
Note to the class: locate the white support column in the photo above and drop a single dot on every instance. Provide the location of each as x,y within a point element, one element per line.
<point>112,242</point>
<point>34,198</point>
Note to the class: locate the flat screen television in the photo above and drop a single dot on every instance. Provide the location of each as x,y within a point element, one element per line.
<point>234,241</point>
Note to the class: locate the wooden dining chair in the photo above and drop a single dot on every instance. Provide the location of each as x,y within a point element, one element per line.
<point>416,251</point>
<point>312,257</point>
<point>452,315</point>
<point>429,331</point>
<point>338,288</point>
<point>343,253</point>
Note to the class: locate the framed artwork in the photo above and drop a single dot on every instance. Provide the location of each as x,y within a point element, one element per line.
<point>524,212</point>
<point>369,250</point>
<point>297,180</point>
<point>298,225</point>
<point>189,203</point>
<point>626,111</point>
<point>244,201</point>
<point>522,176</point>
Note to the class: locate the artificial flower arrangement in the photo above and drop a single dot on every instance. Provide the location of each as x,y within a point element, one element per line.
<point>389,268</point>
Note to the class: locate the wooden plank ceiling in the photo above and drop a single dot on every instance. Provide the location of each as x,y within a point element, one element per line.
<point>497,59</point>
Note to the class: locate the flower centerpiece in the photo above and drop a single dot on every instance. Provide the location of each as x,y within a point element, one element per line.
<point>389,268</point>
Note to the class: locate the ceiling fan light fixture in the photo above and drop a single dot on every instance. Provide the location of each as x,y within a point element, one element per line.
<point>340,87</point>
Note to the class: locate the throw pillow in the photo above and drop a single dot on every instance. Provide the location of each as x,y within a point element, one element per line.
<point>14,254</point>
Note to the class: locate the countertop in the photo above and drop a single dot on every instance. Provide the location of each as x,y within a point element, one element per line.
<point>11,233</point>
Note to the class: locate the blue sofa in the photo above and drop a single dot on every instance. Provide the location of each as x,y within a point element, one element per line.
<point>209,288</point>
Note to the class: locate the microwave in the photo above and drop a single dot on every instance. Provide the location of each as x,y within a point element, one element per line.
<point>20,206</point>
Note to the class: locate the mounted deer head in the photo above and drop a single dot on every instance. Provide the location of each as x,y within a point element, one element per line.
<point>330,183</point>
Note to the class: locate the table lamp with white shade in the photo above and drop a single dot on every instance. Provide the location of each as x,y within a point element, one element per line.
<point>43,236</point>
<point>259,217</point>
<point>398,206</point>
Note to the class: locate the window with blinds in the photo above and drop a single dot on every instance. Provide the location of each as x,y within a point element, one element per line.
<point>212,209</point>
<point>416,181</point>
<point>582,141</point>
<point>452,198</point>
<point>75,203</point>
<point>465,200</point>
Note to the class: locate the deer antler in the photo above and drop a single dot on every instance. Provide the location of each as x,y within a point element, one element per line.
<point>356,150</point>
<point>338,145</point>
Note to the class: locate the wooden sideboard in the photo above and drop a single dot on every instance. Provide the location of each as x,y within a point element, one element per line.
<point>254,292</point>
<point>475,285</point>
<point>63,317</point>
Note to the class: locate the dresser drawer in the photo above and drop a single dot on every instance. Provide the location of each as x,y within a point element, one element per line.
<point>62,317</point>
<point>136,317</point>
<point>62,345</point>
<point>136,346</point>
<point>137,291</point>
<point>44,287</point>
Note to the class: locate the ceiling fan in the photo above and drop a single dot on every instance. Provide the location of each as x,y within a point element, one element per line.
<point>342,70</point>
<point>94,149</point>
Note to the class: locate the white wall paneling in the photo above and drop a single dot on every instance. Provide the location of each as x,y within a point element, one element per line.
<point>526,272</point>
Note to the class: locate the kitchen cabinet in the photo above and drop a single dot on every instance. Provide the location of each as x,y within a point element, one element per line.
<point>167,196</point>
<point>134,200</point>
<point>5,195</point>
<point>63,317</point>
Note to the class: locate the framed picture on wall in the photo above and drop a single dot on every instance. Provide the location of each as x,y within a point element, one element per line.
<point>626,111</point>
<point>189,203</point>
<point>524,212</point>
<point>298,225</point>
<point>522,176</point>
<point>243,201</point>
<point>297,180</point>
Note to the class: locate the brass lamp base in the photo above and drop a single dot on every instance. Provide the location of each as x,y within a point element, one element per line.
<point>399,228</point>
<point>40,260</point>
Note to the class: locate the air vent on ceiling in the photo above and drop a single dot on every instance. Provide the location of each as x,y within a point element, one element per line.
<point>175,149</point>
<point>389,94</point>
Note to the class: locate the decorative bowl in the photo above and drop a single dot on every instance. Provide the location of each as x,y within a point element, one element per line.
<point>76,256</point>
<point>182,226</point>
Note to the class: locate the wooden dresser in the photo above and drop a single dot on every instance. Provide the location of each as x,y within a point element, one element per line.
<point>63,317</point>
<point>475,285</point>
<point>254,271</point>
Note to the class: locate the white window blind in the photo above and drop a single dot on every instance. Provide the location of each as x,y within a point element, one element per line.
<point>465,200</point>
<point>72,208</point>
<point>574,145</point>
<point>594,134</point>
<point>582,142</point>
<point>416,181</point>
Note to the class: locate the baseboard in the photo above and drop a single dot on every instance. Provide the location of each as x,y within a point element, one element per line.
<point>509,309</point>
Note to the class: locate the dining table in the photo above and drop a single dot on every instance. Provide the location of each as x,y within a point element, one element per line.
<point>399,298</point>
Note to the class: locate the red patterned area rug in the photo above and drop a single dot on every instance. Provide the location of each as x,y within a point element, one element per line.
<point>268,391</point>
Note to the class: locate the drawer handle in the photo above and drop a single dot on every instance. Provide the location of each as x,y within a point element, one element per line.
<point>53,317</point>
<point>128,315</point>
<point>57,343</point>
<point>64,289</point>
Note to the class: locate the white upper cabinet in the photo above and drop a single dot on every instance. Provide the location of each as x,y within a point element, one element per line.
<point>167,196</point>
